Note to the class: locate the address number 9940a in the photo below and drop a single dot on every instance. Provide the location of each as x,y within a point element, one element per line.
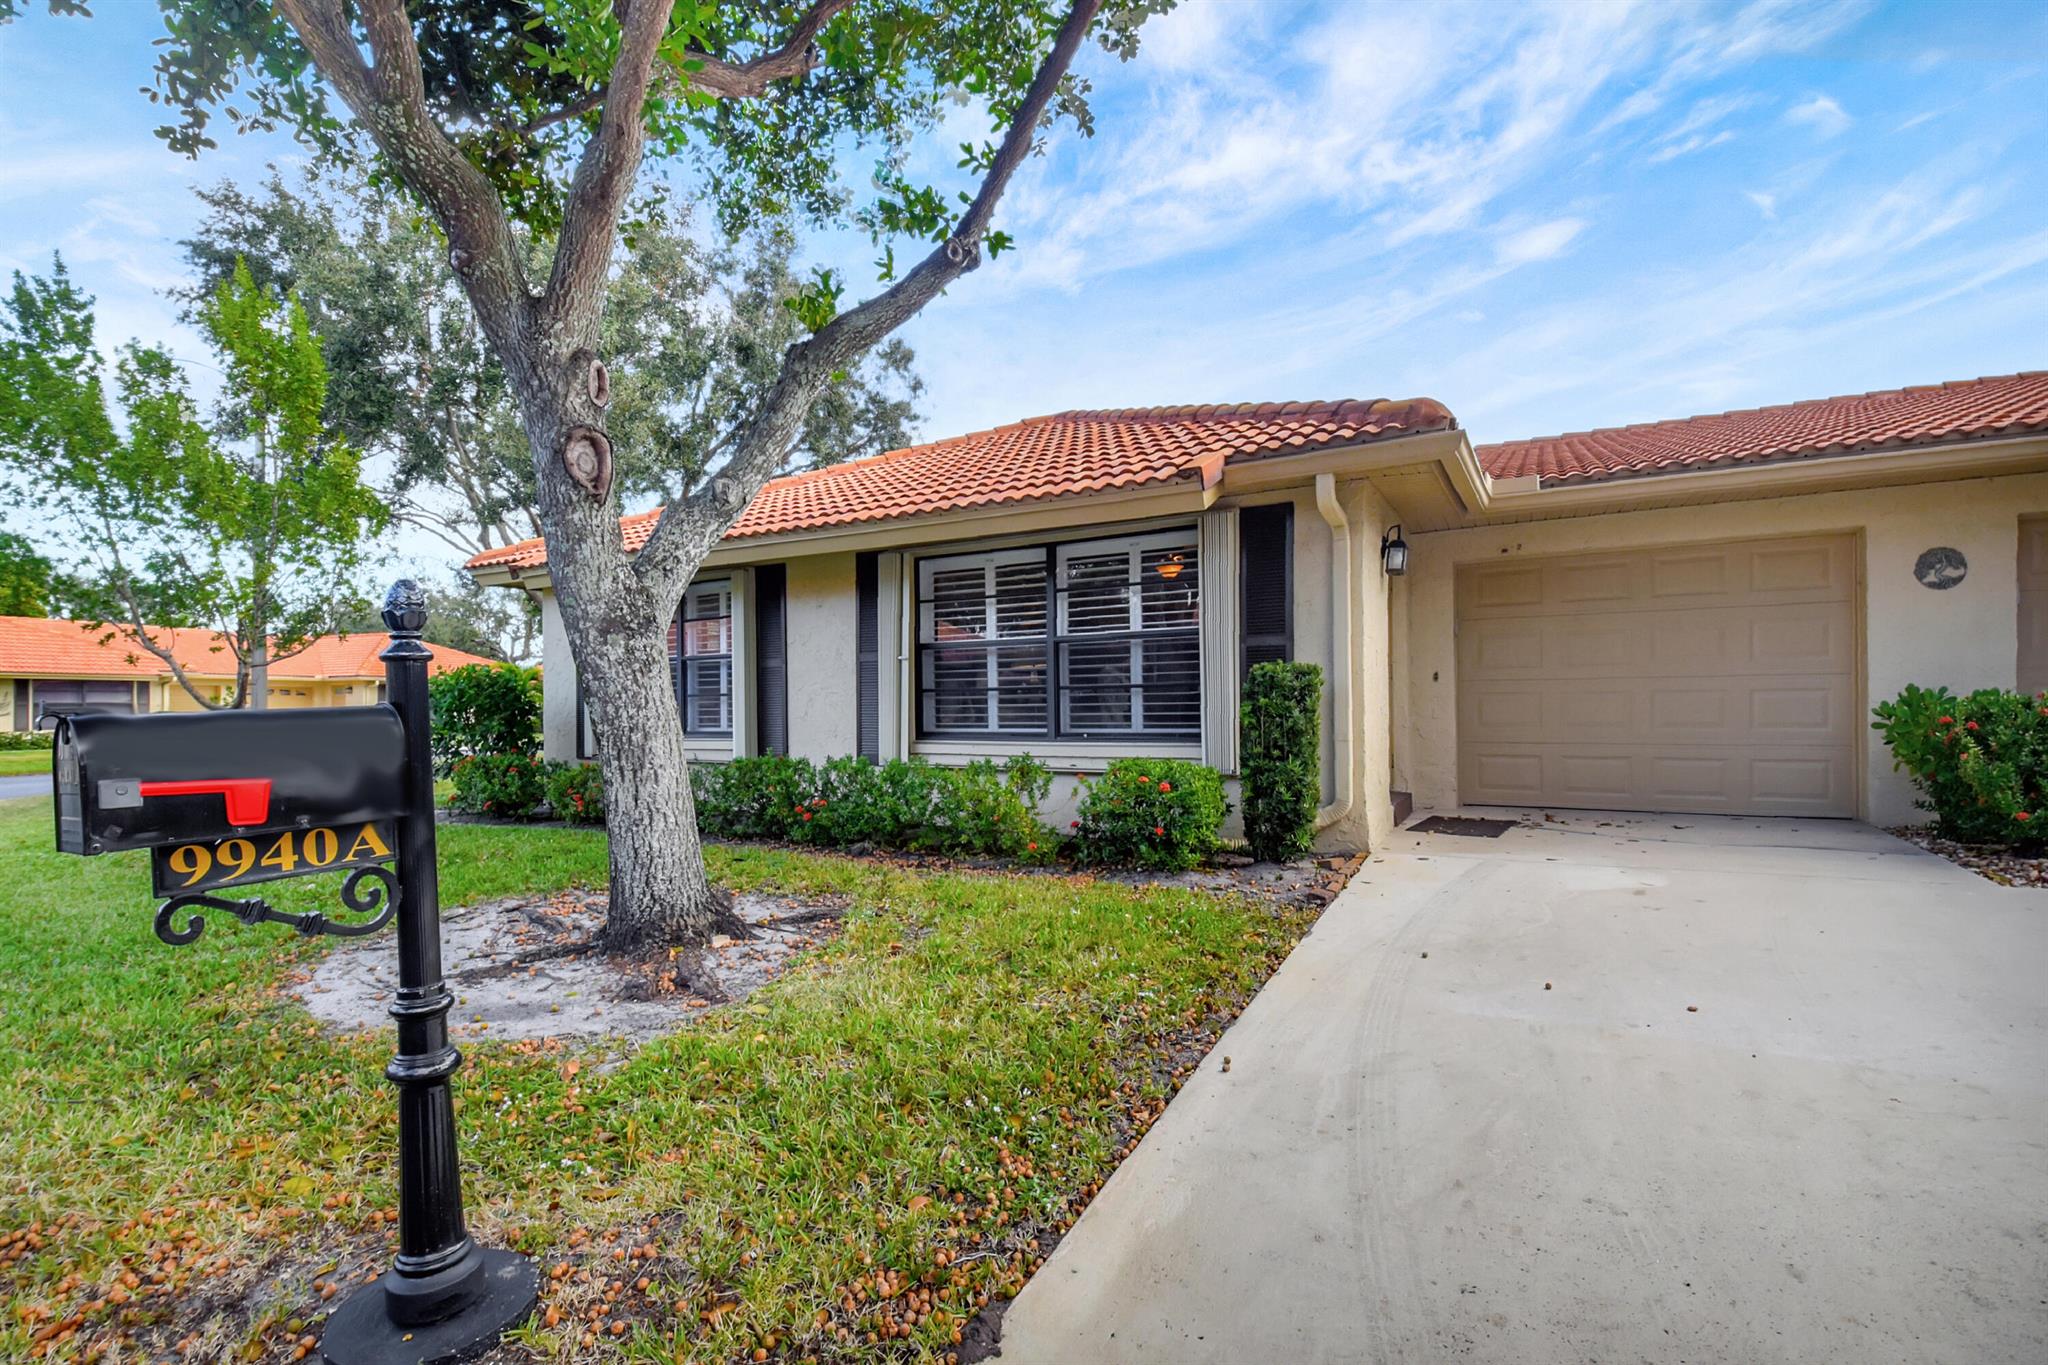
<point>182,868</point>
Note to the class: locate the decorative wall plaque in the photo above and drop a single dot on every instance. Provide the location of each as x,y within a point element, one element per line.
<point>1940,568</point>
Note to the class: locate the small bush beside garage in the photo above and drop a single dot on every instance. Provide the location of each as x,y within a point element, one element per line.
<point>1980,761</point>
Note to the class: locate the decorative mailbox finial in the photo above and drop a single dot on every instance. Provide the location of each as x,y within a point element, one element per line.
<point>405,608</point>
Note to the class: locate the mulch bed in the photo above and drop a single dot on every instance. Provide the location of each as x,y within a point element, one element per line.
<point>2001,865</point>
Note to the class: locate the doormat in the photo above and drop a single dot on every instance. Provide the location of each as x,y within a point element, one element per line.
<point>1471,826</point>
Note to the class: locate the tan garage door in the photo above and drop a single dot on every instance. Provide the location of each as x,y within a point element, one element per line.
<point>1709,678</point>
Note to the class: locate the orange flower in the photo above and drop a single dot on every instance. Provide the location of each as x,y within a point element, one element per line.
<point>2022,815</point>
<point>1159,829</point>
<point>1168,786</point>
<point>1033,846</point>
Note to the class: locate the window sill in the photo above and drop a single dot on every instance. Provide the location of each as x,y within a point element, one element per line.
<point>1061,755</point>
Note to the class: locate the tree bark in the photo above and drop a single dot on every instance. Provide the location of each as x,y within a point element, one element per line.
<point>660,892</point>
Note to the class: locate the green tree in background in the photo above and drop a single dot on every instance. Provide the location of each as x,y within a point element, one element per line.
<point>30,585</point>
<point>252,524</point>
<point>693,336</point>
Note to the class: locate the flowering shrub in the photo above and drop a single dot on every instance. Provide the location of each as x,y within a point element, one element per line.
<point>576,792</point>
<point>976,810</point>
<point>27,739</point>
<point>751,798</point>
<point>508,786</point>
<point>1980,761</point>
<point>1159,813</point>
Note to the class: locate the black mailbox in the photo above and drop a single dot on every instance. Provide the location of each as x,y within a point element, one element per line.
<point>147,781</point>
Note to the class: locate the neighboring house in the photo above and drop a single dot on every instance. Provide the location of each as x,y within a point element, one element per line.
<point>1689,616</point>
<point>48,666</point>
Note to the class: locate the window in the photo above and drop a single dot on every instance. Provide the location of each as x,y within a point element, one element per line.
<point>1088,641</point>
<point>701,651</point>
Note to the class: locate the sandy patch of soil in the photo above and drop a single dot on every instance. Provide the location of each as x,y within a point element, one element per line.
<point>526,968</point>
<point>2000,865</point>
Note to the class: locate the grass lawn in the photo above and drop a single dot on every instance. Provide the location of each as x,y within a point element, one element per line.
<point>844,1168</point>
<point>22,762</point>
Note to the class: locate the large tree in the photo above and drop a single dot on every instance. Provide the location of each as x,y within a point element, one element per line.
<point>498,113</point>
<point>693,334</point>
<point>252,524</point>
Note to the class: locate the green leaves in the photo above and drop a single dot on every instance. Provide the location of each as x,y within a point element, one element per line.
<point>885,73</point>
<point>817,303</point>
<point>253,522</point>
<point>1281,758</point>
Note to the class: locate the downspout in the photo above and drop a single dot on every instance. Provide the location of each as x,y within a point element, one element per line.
<point>1341,614</point>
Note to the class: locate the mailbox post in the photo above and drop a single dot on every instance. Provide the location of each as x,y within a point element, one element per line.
<point>444,1298</point>
<point>228,799</point>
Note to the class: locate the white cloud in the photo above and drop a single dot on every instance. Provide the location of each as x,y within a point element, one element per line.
<point>1766,204</point>
<point>1539,243</point>
<point>1821,114</point>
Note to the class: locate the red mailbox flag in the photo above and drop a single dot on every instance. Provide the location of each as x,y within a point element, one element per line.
<point>248,798</point>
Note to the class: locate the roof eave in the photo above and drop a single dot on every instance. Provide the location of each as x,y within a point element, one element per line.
<point>1926,463</point>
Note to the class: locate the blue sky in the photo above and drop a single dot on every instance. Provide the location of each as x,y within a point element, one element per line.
<point>1548,217</point>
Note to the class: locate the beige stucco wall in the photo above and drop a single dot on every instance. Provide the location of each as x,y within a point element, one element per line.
<point>823,641</point>
<point>1963,637</point>
<point>558,685</point>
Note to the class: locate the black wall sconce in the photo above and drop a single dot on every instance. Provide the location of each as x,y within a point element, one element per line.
<point>1394,551</point>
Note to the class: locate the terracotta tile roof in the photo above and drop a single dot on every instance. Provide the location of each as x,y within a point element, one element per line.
<point>1893,419</point>
<point>1044,457</point>
<point>38,647</point>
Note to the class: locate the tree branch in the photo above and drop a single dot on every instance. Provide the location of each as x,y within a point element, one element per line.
<point>604,176</point>
<point>389,99</point>
<point>688,531</point>
<point>714,75</point>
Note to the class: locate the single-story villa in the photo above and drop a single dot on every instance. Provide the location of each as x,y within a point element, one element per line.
<point>1687,616</point>
<point>51,667</point>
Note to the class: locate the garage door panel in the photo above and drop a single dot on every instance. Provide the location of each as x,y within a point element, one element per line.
<point>1717,678</point>
<point>1738,781</point>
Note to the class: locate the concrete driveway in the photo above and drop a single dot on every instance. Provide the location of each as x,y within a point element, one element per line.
<point>36,784</point>
<point>1422,1153</point>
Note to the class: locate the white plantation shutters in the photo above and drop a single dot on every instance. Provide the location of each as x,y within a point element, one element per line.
<point>702,655</point>
<point>1122,657</point>
<point>982,624</point>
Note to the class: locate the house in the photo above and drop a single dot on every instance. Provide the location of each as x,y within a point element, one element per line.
<point>49,667</point>
<point>1688,616</point>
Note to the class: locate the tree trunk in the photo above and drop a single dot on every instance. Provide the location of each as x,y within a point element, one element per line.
<point>259,675</point>
<point>660,893</point>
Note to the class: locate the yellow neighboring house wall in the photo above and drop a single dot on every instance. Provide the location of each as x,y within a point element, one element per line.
<point>49,664</point>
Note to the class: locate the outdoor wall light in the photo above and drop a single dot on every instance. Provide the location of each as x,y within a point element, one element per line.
<point>1394,551</point>
<point>1169,568</point>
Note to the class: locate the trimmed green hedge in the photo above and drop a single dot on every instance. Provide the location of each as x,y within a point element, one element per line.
<point>484,709</point>
<point>1980,761</point>
<point>1159,813</point>
<point>912,805</point>
<point>27,739</point>
<point>1281,758</point>
<point>508,786</point>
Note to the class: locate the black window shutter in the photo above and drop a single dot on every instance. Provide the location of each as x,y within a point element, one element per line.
<point>868,653</point>
<point>1265,538</point>
<point>771,658</point>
